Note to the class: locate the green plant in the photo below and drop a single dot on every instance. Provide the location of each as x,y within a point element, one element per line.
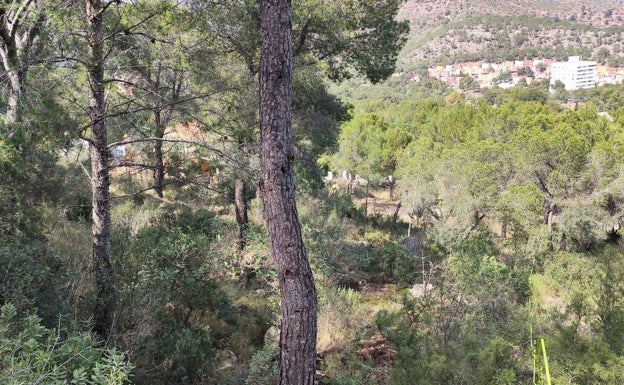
<point>29,280</point>
<point>339,312</point>
<point>32,354</point>
<point>342,205</point>
<point>263,367</point>
<point>173,304</point>
<point>385,261</point>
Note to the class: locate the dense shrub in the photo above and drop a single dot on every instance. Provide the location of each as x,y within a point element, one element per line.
<point>263,369</point>
<point>32,354</point>
<point>385,261</point>
<point>171,298</point>
<point>30,280</point>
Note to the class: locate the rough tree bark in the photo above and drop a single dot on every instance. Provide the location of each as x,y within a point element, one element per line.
<point>103,269</point>
<point>297,362</point>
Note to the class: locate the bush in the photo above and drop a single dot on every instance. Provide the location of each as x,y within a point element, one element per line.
<point>386,261</point>
<point>172,306</point>
<point>33,354</point>
<point>580,227</point>
<point>436,345</point>
<point>338,316</point>
<point>470,328</point>
<point>263,369</point>
<point>30,279</point>
<point>342,205</point>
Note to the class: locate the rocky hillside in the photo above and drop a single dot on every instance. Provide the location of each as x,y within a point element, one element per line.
<point>447,31</point>
<point>586,11</point>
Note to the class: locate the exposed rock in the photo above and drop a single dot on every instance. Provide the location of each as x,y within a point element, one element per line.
<point>225,359</point>
<point>420,289</point>
<point>271,337</point>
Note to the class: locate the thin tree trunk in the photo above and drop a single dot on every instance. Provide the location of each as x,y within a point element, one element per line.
<point>297,362</point>
<point>104,277</point>
<point>365,202</point>
<point>548,214</point>
<point>11,63</point>
<point>13,102</point>
<point>159,167</point>
<point>476,220</point>
<point>395,216</point>
<point>241,212</point>
<point>240,204</point>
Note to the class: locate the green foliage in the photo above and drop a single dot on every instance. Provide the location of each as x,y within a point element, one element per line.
<point>594,363</point>
<point>364,37</point>
<point>601,55</point>
<point>579,226</point>
<point>520,207</point>
<point>476,177</point>
<point>31,353</point>
<point>30,280</point>
<point>468,354</point>
<point>10,200</point>
<point>477,340</point>
<point>263,368</point>
<point>466,82</point>
<point>343,206</point>
<point>477,269</point>
<point>317,117</point>
<point>542,177</point>
<point>401,329</point>
<point>344,35</point>
<point>608,98</point>
<point>503,77</point>
<point>386,261</point>
<point>586,337</point>
<point>30,177</point>
<point>170,296</point>
<point>370,146</point>
<point>375,50</point>
<point>610,298</point>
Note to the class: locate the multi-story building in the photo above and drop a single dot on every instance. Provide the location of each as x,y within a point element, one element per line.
<point>574,74</point>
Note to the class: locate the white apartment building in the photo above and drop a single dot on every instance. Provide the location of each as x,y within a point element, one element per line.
<point>574,74</point>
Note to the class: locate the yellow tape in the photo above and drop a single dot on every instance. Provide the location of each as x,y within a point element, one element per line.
<point>541,371</point>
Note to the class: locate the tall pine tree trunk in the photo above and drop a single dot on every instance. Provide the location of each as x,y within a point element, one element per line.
<point>103,269</point>
<point>297,362</point>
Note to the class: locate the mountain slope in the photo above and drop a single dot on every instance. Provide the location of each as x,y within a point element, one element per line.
<point>444,31</point>
<point>452,31</point>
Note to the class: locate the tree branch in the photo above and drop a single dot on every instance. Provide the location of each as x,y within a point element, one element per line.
<point>165,140</point>
<point>14,23</point>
